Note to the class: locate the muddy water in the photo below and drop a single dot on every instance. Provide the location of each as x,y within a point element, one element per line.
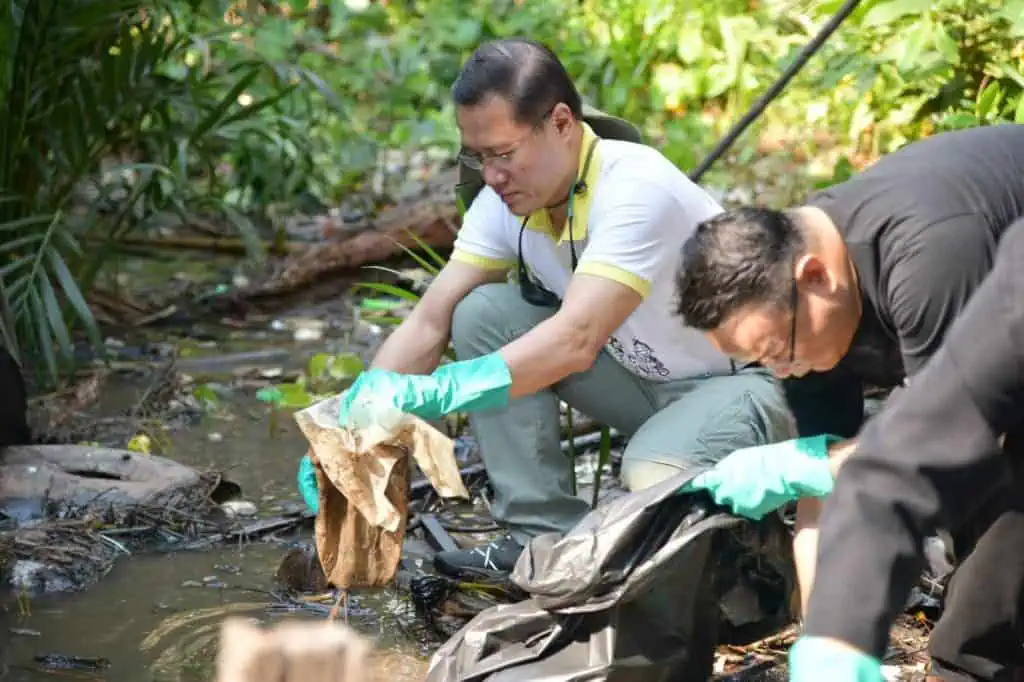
<point>156,618</point>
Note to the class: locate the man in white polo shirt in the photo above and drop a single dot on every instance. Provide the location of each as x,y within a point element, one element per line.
<point>561,286</point>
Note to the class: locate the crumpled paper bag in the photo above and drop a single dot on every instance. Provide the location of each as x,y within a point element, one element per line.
<point>363,478</point>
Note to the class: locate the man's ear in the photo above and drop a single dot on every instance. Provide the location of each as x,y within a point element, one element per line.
<point>563,119</point>
<point>812,274</point>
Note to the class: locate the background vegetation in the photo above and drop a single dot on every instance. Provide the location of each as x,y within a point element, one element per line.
<point>119,117</point>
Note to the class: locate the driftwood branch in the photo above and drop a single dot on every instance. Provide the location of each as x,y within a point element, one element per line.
<point>433,218</point>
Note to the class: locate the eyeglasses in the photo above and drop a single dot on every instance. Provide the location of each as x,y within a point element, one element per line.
<point>503,161</point>
<point>477,162</point>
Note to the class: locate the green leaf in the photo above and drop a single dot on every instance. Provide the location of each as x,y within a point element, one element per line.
<point>247,231</point>
<point>317,366</point>
<point>270,394</point>
<point>1011,73</point>
<point>947,47</point>
<point>466,33</point>
<point>8,331</point>
<point>26,222</point>
<point>434,255</point>
<point>206,395</point>
<point>914,40</point>
<point>888,12</point>
<point>43,339</point>
<point>74,296</point>
<point>295,396</point>
<point>229,100</point>
<point>1018,116</point>
<point>346,366</point>
<point>54,315</point>
<point>384,288</point>
<point>959,120</point>
<point>988,101</point>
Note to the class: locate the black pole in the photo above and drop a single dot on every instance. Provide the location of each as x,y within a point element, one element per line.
<point>764,100</point>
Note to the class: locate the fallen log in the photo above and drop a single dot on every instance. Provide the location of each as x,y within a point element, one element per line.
<point>433,218</point>
<point>225,244</point>
<point>77,477</point>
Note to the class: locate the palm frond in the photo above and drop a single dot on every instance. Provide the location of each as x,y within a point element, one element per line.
<point>85,83</point>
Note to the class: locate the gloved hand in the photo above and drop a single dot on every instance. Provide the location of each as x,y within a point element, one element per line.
<point>307,484</point>
<point>813,659</point>
<point>757,480</point>
<point>470,385</point>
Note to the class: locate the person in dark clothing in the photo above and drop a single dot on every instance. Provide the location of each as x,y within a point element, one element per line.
<point>935,457</point>
<point>859,287</point>
<point>14,429</point>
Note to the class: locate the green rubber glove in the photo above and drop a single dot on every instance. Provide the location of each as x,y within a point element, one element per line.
<point>470,385</point>
<point>307,484</point>
<point>757,480</point>
<point>813,659</point>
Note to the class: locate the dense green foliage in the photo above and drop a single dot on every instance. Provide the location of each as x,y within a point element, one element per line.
<point>117,116</point>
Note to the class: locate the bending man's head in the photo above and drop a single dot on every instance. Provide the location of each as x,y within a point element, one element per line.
<point>774,287</point>
<point>518,113</point>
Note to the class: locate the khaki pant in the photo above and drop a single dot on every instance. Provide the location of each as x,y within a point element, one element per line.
<point>671,425</point>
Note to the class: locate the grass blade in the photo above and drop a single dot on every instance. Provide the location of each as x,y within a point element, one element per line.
<point>74,296</point>
<point>43,340</point>
<point>229,99</point>
<point>8,329</point>
<point>384,288</point>
<point>54,315</point>
<point>420,260</point>
<point>437,258</point>
<point>27,221</point>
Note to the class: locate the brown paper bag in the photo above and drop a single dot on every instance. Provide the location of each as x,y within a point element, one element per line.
<point>363,477</point>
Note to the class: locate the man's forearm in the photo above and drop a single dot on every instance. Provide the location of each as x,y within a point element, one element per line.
<point>414,347</point>
<point>545,355</point>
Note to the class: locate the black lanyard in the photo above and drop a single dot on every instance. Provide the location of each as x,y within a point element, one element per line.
<point>532,291</point>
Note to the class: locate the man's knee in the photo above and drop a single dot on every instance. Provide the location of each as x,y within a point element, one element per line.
<point>704,427</point>
<point>638,474</point>
<point>489,317</point>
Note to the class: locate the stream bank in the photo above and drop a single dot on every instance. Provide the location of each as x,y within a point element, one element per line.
<point>156,616</point>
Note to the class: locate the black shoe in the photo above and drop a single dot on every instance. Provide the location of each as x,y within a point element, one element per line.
<point>496,559</point>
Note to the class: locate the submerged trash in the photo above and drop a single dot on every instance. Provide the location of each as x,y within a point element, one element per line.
<point>300,570</point>
<point>76,663</point>
<point>234,508</point>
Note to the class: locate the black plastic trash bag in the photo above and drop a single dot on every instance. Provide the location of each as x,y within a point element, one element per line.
<point>625,596</point>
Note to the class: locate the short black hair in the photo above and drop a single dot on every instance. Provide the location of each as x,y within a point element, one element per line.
<point>523,71</point>
<point>739,257</point>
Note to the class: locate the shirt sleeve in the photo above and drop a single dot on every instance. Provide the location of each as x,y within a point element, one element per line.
<point>483,240</point>
<point>928,460</point>
<point>932,282</point>
<point>630,230</point>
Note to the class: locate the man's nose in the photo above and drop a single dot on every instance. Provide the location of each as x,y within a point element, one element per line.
<point>493,176</point>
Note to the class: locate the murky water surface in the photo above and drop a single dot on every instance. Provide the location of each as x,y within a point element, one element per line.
<point>157,617</point>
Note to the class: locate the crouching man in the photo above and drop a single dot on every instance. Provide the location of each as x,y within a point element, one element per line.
<point>947,447</point>
<point>561,287</point>
<point>861,286</point>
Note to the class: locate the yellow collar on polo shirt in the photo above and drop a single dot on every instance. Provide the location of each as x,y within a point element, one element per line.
<point>540,220</point>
